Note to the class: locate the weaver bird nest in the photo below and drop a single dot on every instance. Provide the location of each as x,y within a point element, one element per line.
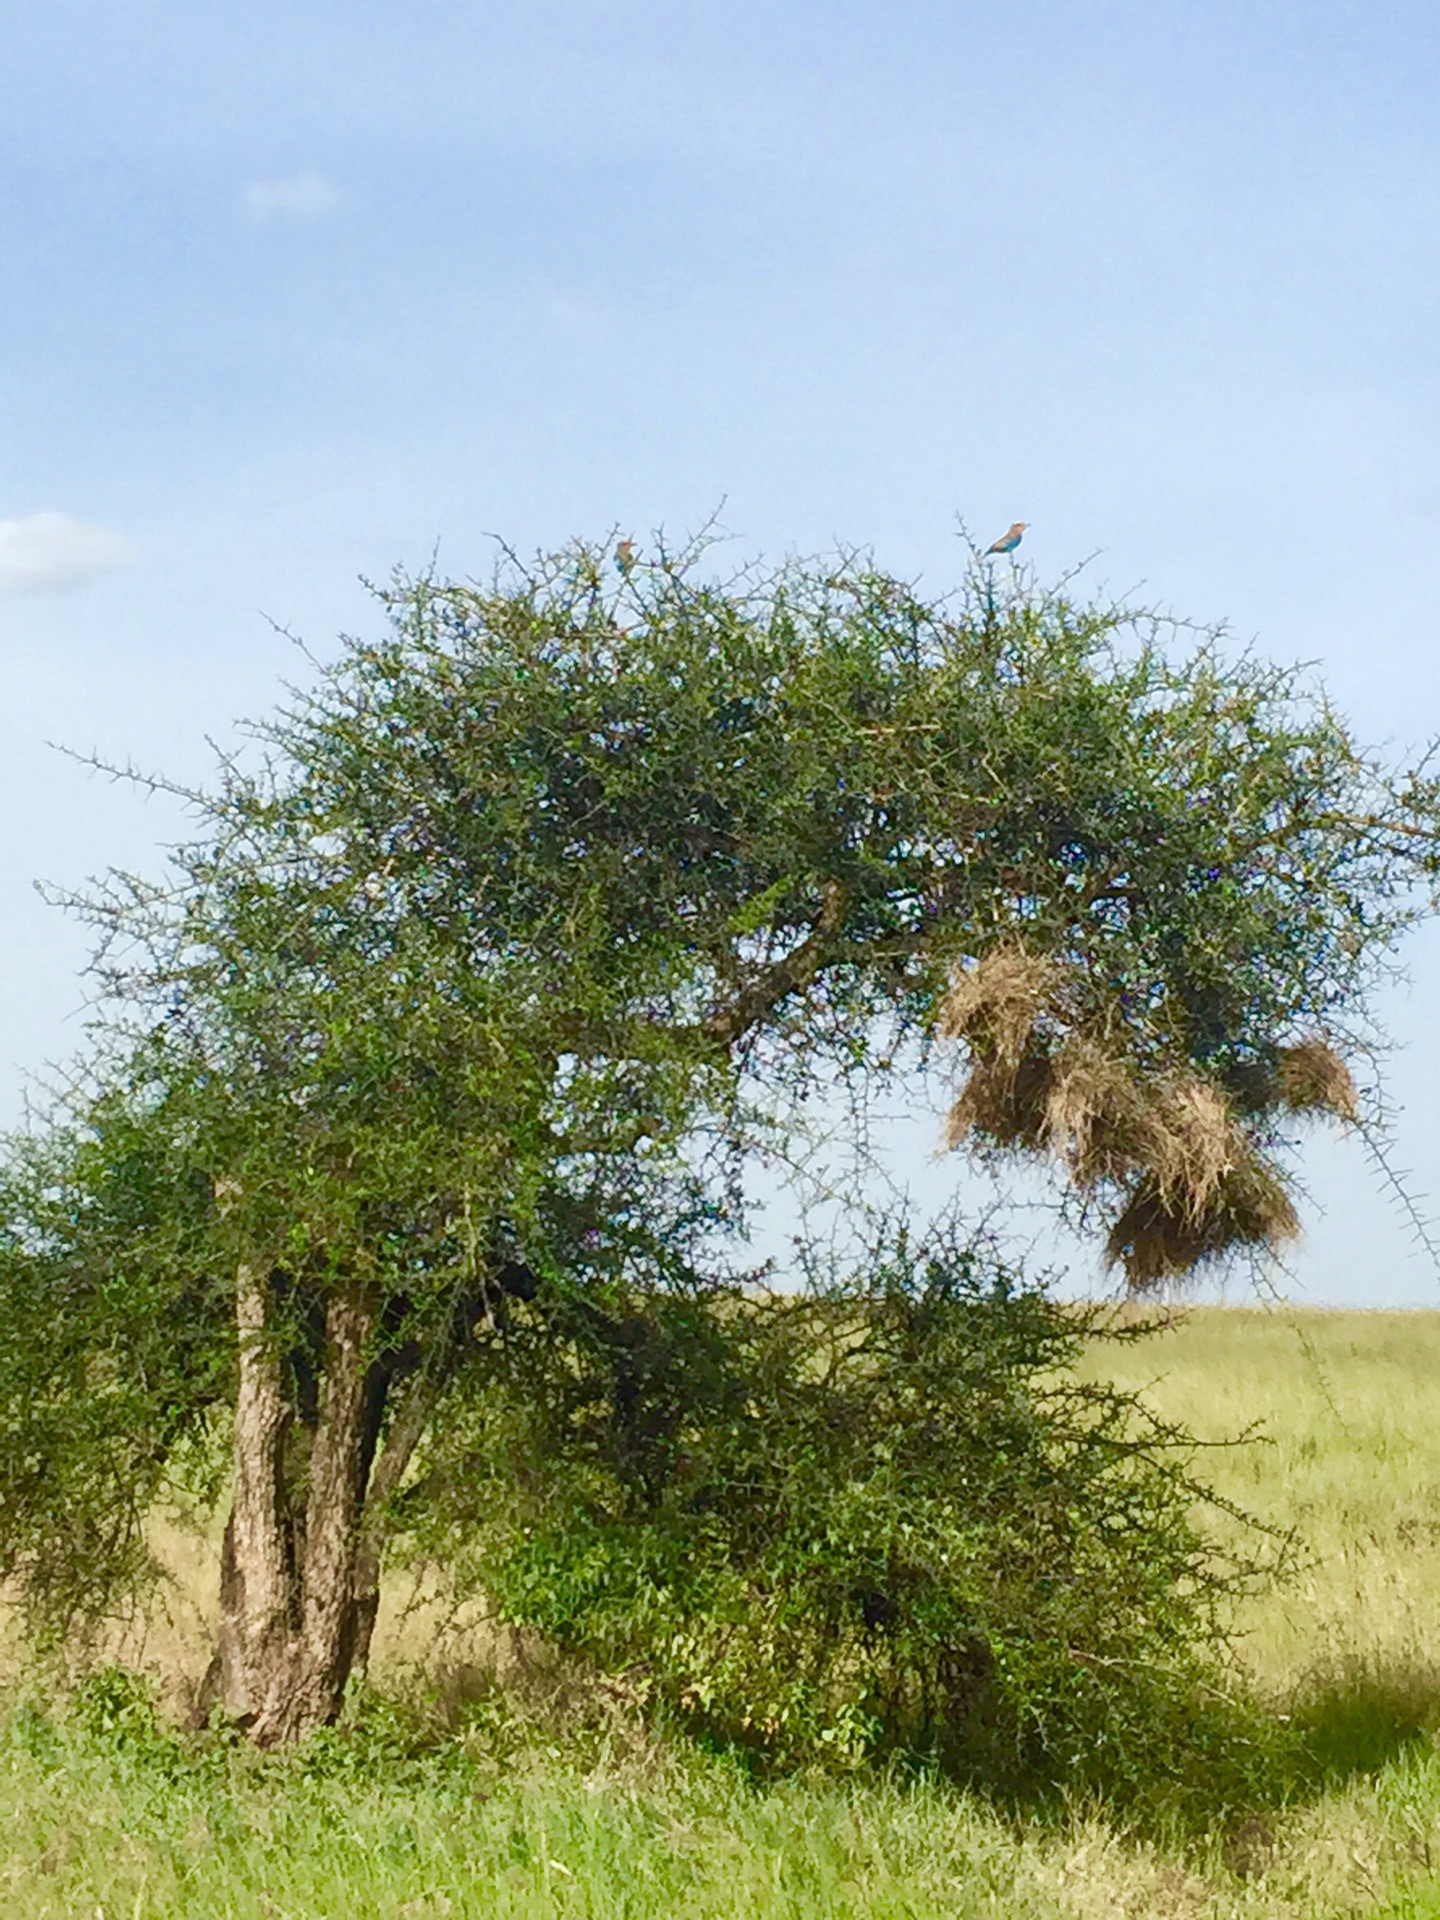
<point>1193,1182</point>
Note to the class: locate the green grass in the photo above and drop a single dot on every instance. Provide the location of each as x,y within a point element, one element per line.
<point>93,1829</point>
<point>527,1805</point>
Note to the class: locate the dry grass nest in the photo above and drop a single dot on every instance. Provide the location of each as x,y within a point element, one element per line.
<point>1196,1185</point>
<point>1312,1078</point>
<point>1154,1240</point>
<point>997,1005</point>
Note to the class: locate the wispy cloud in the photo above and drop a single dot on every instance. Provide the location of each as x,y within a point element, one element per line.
<point>301,197</point>
<point>47,552</point>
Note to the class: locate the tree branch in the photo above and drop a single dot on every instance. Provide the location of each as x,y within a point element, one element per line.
<point>791,975</point>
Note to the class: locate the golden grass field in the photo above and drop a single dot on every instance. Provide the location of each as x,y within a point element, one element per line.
<point>604,1822</point>
<point>1348,1454</point>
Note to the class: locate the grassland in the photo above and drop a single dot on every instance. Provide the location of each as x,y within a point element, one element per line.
<point>529,1802</point>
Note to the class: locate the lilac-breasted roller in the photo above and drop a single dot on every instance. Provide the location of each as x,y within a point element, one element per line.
<point>625,555</point>
<point>1008,542</point>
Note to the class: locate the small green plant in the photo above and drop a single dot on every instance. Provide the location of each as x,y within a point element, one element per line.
<point>116,1711</point>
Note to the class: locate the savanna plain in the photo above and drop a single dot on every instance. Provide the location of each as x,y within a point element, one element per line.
<point>479,1779</point>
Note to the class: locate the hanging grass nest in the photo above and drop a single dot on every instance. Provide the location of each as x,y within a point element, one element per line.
<point>1193,1182</point>
<point>1159,1238</point>
<point>1312,1078</point>
<point>997,1005</point>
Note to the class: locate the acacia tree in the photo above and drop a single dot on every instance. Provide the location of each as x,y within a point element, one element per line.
<point>458,999</point>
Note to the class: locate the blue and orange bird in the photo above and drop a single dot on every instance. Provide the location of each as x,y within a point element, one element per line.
<point>1008,541</point>
<point>625,556</point>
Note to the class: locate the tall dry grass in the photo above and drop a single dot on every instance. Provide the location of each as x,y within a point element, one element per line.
<point>1345,1412</point>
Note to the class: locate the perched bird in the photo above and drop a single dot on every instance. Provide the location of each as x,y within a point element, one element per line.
<point>1008,542</point>
<point>625,555</point>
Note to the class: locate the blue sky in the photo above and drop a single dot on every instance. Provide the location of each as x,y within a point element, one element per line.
<point>293,293</point>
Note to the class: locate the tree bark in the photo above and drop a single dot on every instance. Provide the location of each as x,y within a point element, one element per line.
<point>257,1574</point>
<point>394,1457</point>
<point>291,1604</point>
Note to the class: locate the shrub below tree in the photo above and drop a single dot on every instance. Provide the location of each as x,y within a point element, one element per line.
<point>884,1516</point>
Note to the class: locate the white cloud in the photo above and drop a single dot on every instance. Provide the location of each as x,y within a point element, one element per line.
<point>302,197</point>
<point>46,552</point>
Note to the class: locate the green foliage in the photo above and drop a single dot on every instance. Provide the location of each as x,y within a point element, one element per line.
<point>113,1351</point>
<point>560,871</point>
<point>117,1711</point>
<point>478,990</point>
<point>884,1517</point>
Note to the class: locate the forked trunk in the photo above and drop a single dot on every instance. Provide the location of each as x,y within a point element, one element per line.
<point>293,1604</point>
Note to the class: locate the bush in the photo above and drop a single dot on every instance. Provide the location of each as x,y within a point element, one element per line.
<point>883,1517</point>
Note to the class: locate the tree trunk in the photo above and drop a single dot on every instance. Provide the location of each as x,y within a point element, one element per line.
<point>384,1483</point>
<point>292,1609</point>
